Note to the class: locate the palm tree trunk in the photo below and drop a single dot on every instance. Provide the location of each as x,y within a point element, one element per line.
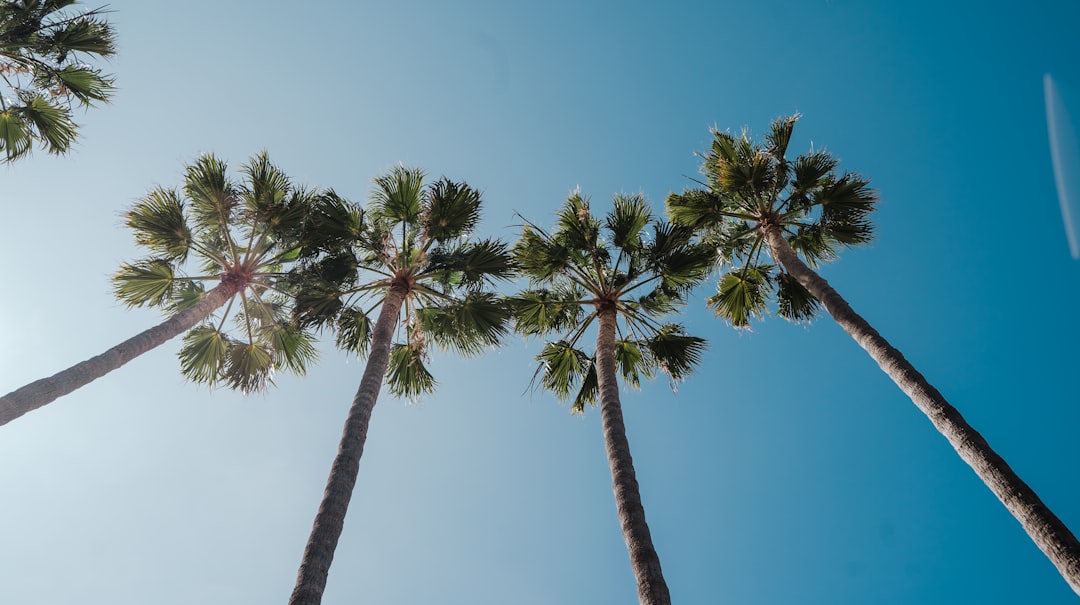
<point>46,390</point>
<point>1048,532</point>
<point>652,589</point>
<point>330,520</point>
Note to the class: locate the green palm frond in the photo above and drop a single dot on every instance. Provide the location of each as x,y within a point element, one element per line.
<point>632,363</point>
<point>780,135</point>
<point>399,196</point>
<point>470,325</point>
<point>159,224</point>
<point>741,294</point>
<point>563,368</point>
<point>185,294</point>
<point>813,243</point>
<point>46,121</point>
<point>471,264</point>
<point>293,347</point>
<point>794,301</point>
<point>16,139</point>
<point>406,375</point>
<point>203,354</point>
<point>627,220</point>
<point>453,210</point>
<point>695,208</point>
<point>577,228</point>
<point>211,193</point>
<point>674,352</point>
<point>148,282</point>
<point>249,367</point>
<point>538,256</point>
<point>543,311</point>
<point>354,329</point>
<point>333,223</point>
<point>87,85</point>
<point>589,391</point>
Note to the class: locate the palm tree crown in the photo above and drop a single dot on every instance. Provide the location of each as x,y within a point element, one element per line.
<point>409,255</point>
<point>753,187</point>
<point>240,236</point>
<point>412,240</point>
<point>43,49</point>
<point>638,268</point>
<point>625,273</point>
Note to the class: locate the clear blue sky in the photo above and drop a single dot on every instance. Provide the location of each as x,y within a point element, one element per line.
<point>789,470</point>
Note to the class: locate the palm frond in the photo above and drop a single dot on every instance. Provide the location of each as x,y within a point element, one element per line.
<point>203,354</point>
<point>212,195</point>
<point>148,282</point>
<point>632,363</point>
<point>627,220</point>
<point>159,224</point>
<point>406,375</point>
<point>399,196</point>
<point>741,295</point>
<point>453,210</point>
<point>562,368</point>
<point>794,301</point>
<point>674,352</point>
<point>470,325</point>
<point>577,228</point>
<point>354,328</point>
<point>249,367</point>
<point>185,294</point>
<point>543,311</point>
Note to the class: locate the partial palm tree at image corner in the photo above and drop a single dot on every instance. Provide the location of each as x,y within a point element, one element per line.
<point>44,74</point>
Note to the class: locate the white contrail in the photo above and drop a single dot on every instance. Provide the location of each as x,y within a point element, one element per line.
<point>1063,152</point>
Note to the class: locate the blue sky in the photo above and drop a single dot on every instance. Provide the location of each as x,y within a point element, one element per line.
<point>788,470</point>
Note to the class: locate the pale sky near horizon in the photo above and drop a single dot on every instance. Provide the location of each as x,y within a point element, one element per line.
<point>789,469</point>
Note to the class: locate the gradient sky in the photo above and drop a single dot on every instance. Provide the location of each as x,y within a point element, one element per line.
<point>788,470</point>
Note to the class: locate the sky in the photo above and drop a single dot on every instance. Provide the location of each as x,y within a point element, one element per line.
<point>788,469</point>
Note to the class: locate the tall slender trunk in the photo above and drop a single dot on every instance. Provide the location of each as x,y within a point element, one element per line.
<point>46,390</point>
<point>652,589</point>
<point>1048,532</point>
<point>330,520</point>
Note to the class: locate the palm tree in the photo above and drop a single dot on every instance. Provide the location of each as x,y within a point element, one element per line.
<point>628,271</point>
<point>240,236</point>
<point>43,49</point>
<point>410,256</point>
<point>756,201</point>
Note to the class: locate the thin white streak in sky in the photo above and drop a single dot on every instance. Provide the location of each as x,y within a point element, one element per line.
<point>1064,155</point>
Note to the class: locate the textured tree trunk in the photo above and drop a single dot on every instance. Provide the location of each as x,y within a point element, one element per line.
<point>1048,532</point>
<point>330,520</point>
<point>652,589</point>
<point>46,390</point>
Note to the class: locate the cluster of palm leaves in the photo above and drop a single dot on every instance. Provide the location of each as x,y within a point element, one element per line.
<point>44,49</point>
